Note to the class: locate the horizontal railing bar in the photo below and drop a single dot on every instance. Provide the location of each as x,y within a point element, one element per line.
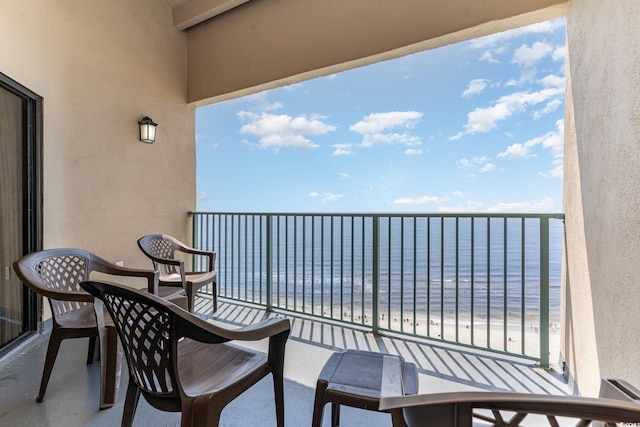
<point>391,214</point>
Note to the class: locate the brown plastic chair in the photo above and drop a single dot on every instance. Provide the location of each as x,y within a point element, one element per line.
<point>181,363</point>
<point>465,409</point>
<point>56,274</point>
<point>162,248</point>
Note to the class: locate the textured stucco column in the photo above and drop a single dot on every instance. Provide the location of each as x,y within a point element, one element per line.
<point>602,193</point>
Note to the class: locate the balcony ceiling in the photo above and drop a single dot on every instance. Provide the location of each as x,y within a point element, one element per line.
<point>281,42</point>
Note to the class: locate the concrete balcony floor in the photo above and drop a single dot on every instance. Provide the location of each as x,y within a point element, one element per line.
<point>73,393</point>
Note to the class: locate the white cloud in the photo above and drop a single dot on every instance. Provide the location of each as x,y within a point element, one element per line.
<point>330,197</point>
<point>201,195</point>
<point>527,75</point>
<point>326,197</point>
<point>293,87</point>
<point>488,57</point>
<point>422,200</point>
<point>481,159</point>
<point>553,141</point>
<point>476,86</point>
<point>280,131</point>
<point>467,206</point>
<point>528,56</point>
<point>379,122</point>
<point>369,140</point>
<point>486,119</point>
<point>543,205</point>
<point>546,27</point>
<point>559,53</point>
<point>496,44</point>
<point>260,102</point>
<point>376,128</point>
<point>516,151</point>
<point>474,161</point>
<point>488,168</point>
<point>413,151</point>
<point>553,81</point>
<point>557,173</point>
<point>342,150</point>
<point>549,108</point>
<point>458,193</point>
<point>344,176</point>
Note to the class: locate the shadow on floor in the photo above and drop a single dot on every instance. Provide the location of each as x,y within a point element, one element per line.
<point>73,393</point>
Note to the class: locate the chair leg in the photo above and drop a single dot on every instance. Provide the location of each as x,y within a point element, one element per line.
<point>92,350</point>
<point>110,367</point>
<point>335,414</point>
<point>130,404</point>
<point>191,296</point>
<point>278,389</point>
<point>214,291</point>
<point>49,361</point>
<point>318,405</point>
<point>191,301</point>
<point>201,411</point>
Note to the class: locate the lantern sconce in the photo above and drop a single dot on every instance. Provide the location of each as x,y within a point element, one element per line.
<point>147,130</point>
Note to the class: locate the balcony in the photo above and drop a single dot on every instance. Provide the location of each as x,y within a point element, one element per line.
<point>471,299</point>
<point>73,393</point>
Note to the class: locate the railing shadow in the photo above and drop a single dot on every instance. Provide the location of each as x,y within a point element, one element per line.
<point>463,366</point>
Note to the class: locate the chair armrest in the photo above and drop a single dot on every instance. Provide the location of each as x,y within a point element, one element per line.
<point>168,261</point>
<point>195,328</point>
<point>391,378</point>
<point>444,408</point>
<point>103,266</point>
<point>193,251</point>
<point>78,296</point>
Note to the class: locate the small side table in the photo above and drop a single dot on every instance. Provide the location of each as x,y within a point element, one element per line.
<point>354,378</point>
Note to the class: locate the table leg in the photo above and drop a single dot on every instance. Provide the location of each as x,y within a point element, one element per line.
<point>335,414</point>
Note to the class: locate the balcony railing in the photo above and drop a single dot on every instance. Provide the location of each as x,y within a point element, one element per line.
<point>489,281</point>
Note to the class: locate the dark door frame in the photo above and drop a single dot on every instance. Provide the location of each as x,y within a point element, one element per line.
<point>32,191</point>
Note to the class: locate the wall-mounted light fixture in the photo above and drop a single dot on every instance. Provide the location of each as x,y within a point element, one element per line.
<point>147,130</point>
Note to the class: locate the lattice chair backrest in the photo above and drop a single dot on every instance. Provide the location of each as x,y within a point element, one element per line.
<point>63,273</point>
<point>162,248</point>
<point>146,335</point>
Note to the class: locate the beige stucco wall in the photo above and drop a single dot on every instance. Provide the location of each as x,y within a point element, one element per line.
<point>100,67</point>
<point>264,44</point>
<point>602,197</point>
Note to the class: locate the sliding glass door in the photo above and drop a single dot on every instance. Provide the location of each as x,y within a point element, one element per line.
<point>19,197</point>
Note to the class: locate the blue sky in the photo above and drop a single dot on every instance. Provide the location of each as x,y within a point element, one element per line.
<point>473,127</point>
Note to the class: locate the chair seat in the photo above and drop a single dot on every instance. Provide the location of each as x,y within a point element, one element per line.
<point>211,368</point>
<point>83,318</point>
<point>195,278</point>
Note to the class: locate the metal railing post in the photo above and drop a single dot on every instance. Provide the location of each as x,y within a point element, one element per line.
<point>376,274</point>
<point>194,233</point>
<point>544,292</point>
<point>269,264</point>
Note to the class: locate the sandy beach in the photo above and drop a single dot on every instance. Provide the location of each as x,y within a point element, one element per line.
<point>516,338</point>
